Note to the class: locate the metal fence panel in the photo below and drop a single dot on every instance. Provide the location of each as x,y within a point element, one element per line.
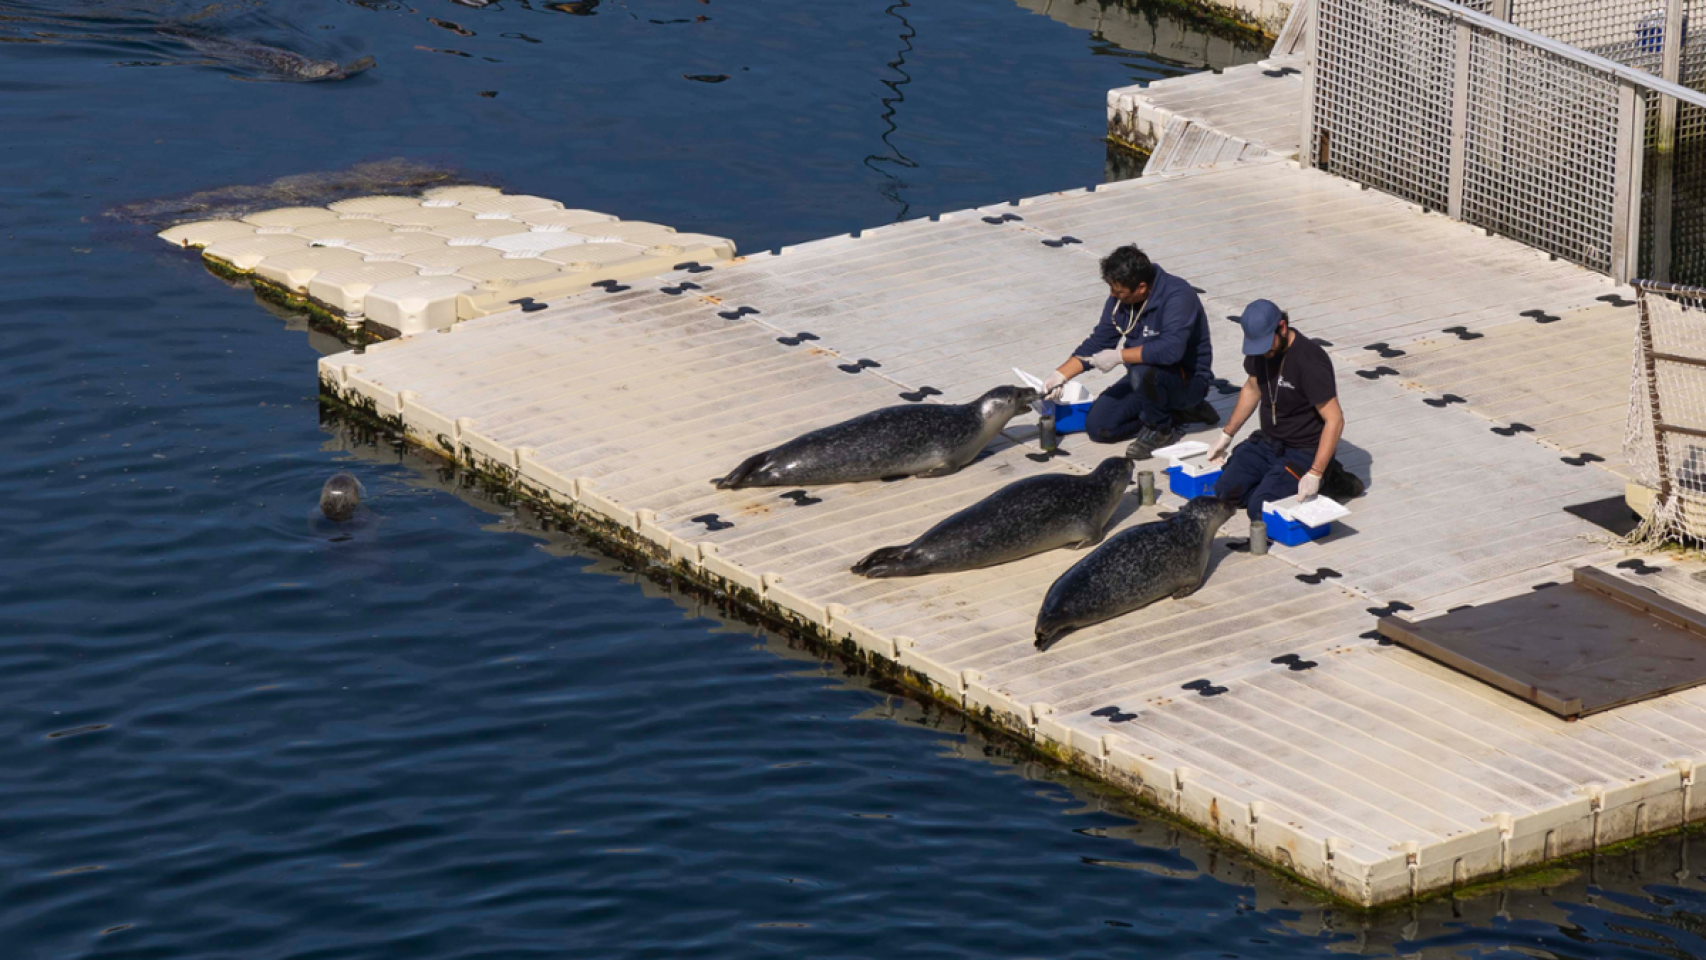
<point>1382,88</point>
<point>1541,151</point>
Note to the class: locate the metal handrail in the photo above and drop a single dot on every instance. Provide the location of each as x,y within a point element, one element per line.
<point>1658,286</point>
<point>1564,50</point>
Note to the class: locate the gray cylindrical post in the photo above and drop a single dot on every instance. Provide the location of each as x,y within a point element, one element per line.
<point>1046,436</point>
<point>1258,538</point>
<point>1146,488</point>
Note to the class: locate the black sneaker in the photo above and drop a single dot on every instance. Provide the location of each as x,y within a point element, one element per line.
<point>1203,412</point>
<point>1149,440</point>
<point>1341,484</point>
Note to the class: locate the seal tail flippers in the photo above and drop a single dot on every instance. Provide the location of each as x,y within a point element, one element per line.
<point>883,562</point>
<point>739,476</point>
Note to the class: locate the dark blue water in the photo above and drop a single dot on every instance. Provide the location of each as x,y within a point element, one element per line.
<point>228,730</point>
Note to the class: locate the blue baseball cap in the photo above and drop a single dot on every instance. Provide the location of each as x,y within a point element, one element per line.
<point>1261,318</point>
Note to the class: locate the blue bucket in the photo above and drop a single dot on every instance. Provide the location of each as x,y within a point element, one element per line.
<point>1070,417</point>
<point>1290,532</point>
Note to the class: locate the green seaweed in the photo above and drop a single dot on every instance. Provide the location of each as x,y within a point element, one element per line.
<point>318,317</point>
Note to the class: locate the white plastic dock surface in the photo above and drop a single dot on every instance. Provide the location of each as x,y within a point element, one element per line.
<point>435,256</point>
<point>1373,772</point>
<point>1249,112</point>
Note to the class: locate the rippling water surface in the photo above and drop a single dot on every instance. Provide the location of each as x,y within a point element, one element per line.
<point>230,730</point>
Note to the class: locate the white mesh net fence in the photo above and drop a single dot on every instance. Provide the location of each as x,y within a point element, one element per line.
<point>1665,441</point>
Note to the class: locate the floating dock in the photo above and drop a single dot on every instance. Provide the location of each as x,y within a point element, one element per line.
<point>1362,767</point>
<point>613,370</point>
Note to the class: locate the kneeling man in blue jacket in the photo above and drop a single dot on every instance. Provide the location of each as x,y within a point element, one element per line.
<point>1152,327</point>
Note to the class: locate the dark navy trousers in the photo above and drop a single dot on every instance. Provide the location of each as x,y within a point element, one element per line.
<point>1146,396</point>
<point>1262,470</point>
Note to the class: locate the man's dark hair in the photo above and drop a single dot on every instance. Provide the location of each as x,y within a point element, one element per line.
<point>1127,267</point>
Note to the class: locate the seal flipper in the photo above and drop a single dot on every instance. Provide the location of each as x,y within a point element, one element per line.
<point>739,476</point>
<point>946,469</point>
<point>884,562</point>
<point>1184,592</point>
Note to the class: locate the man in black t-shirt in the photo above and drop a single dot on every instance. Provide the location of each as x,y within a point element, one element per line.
<point>1290,379</point>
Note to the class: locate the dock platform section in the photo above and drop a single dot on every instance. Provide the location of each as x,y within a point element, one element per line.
<point>1361,767</point>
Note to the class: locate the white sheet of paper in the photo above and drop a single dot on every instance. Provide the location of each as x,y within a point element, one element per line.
<point>1315,513</point>
<point>1182,450</point>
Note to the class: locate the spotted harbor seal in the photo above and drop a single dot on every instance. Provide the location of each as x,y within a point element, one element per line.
<point>340,497</point>
<point>1135,568</point>
<point>925,440</point>
<point>276,62</point>
<point>1023,518</point>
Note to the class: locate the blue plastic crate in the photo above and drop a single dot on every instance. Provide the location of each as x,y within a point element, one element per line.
<point>1184,485</point>
<point>1070,417</point>
<point>1290,532</point>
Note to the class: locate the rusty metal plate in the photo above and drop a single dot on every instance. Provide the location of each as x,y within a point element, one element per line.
<point>1593,644</point>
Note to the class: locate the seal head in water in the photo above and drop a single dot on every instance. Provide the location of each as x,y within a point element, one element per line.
<point>924,440</point>
<point>1023,518</point>
<point>340,497</point>
<point>1135,568</point>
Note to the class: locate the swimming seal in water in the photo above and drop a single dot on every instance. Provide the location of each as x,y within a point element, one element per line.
<point>340,497</point>
<point>282,64</point>
<point>1135,568</point>
<point>1023,518</point>
<point>925,440</point>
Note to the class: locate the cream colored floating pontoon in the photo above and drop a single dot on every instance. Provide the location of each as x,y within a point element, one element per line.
<point>415,304</point>
<point>395,246</point>
<point>343,290</point>
<point>507,207</point>
<point>293,271</point>
<point>509,273</point>
<point>426,218</point>
<point>289,218</point>
<point>694,246</point>
<point>591,256</point>
<point>447,260</point>
<point>246,253</point>
<point>339,233</point>
<point>204,232</point>
<point>543,221</point>
<point>367,208</point>
<point>458,194</point>
<point>533,244</point>
<point>636,231</point>
<point>403,265</point>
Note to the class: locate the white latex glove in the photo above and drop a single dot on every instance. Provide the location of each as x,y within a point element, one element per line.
<point>1308,487</point>
<point>1052,386</point>
<point>1104,361</point>
<point>1217,451</point>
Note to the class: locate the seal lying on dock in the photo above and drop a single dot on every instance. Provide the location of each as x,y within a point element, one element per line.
<point>1023,518</point>
<point>1151,561</point>
<point>924,440</point>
